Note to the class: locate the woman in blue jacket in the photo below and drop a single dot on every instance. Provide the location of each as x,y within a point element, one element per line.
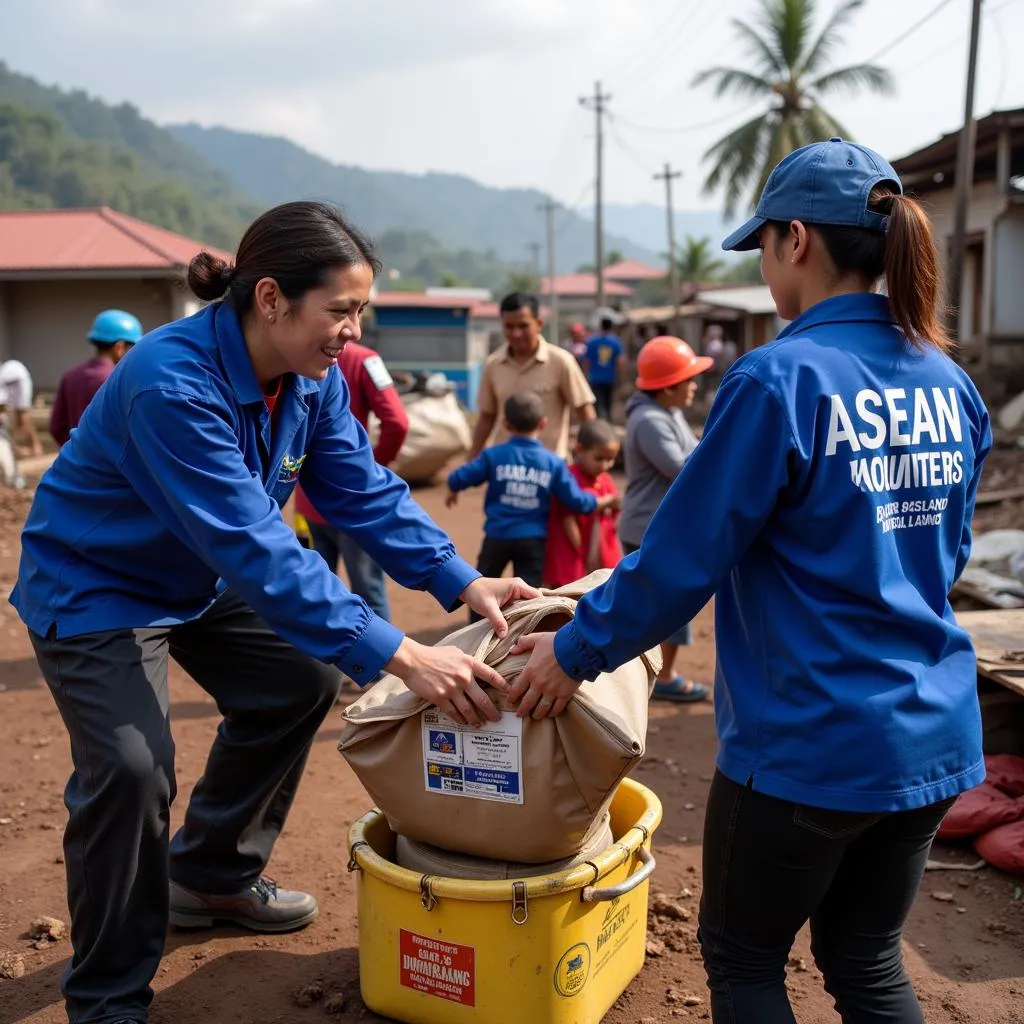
<point>158,532</point>
<point>845,698</point>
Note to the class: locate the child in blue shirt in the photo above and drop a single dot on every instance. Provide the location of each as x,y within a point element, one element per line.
<point>521,476</point>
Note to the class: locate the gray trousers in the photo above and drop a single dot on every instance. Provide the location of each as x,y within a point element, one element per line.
<point>111,691</point>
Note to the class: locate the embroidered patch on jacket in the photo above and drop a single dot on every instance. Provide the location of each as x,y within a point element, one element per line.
<point>290,467</point>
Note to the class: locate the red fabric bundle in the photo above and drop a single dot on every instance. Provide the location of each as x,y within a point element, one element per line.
<point>1003,847</point>
<point>979,810</point>
<point>1005,772</point>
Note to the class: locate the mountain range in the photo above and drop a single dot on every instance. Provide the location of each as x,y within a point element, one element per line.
<point>209,182</point>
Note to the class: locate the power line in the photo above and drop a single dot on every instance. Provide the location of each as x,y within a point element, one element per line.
<point>661,44</point>
<point>715,15</point>
<point>573,210</point>
<point>626,63</point>
<point>637,159</point>
<point>892,44</point>
<point>680,129</point>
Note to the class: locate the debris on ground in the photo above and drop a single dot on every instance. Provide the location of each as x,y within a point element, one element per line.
<point>12,965</point>
<point>334,1003</point>
<point>47,929</point>
<point>663,906</point>
<point>308,995</point>
<point>668,930</point>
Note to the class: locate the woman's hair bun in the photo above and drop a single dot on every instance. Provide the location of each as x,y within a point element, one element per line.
<point>209,276</point>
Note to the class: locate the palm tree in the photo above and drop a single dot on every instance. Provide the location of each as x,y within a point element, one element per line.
<point>695,261</point>
<point>791,70</point>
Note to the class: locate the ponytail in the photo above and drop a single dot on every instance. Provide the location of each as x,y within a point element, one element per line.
<point>905,255</point>
<point>912,273</point>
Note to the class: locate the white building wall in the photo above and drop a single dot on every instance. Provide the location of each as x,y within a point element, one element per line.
<point>48,320</point>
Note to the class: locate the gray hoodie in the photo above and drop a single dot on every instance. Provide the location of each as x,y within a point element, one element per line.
<point>658,442</point>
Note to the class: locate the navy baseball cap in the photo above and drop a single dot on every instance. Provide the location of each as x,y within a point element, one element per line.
<point>823,183</point>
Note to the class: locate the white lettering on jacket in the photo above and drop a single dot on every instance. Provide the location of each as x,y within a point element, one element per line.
<point>894,419</point>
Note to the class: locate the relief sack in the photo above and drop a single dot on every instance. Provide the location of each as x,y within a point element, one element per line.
<point>515,790</point>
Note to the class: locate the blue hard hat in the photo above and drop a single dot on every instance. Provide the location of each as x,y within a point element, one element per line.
<point>823,183</point>
<point>114,325</point>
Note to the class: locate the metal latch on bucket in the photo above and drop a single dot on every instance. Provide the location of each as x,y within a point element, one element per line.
<point>520,913</point>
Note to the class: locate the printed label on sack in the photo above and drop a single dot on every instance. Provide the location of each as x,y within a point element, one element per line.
<point>484,763</point>
<point>443,969</point>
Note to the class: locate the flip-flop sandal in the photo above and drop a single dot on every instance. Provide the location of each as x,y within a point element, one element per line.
<point>679,691</point>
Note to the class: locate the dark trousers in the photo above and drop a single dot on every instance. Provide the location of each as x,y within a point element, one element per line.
<point>366,578</point>
<point>770,866</point>
<point>526,555</point>
<point>111,691</point>
<point>603,397</point>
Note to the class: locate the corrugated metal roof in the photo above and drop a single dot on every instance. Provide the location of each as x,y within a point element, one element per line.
<point>89,240</point>
<point>753,299</point>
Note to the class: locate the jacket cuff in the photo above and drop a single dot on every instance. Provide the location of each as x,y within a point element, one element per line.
<point>578,659</point>
<point>450,581</point>
<point>374,648</point>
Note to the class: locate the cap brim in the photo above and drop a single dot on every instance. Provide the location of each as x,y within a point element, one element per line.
<point>745,238</point>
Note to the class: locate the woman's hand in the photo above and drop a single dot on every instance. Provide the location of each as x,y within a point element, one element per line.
<point>488,596</point>
<point>447,677</point>
<point>544,688</point>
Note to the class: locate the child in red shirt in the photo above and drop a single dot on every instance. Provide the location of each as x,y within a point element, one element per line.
<point>575,548</point>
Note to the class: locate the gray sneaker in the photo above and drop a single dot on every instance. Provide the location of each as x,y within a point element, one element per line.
<point>262,907</point>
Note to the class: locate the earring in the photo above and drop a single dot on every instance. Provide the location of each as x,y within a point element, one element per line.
<point>270,319</point>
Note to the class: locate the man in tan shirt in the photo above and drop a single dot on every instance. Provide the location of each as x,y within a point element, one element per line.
<point>528,363</point>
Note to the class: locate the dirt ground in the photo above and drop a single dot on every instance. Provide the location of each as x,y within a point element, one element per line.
<point>965,953</point>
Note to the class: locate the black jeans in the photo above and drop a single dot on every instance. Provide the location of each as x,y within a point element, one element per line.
<point>770,866</point>
<point>526,555</point>
<point>604,395</point>
<point>111,691</point>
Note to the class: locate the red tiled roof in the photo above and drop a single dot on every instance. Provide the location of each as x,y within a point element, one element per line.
<point>420,300</point>
<point>583,286</point>
<point>633,270</point>
<point>492,311</point>
<point>95,239</point>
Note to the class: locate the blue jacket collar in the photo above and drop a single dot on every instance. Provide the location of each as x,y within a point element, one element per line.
<point>860,307</point>
<point>521,440</point>
<point>238,365</point>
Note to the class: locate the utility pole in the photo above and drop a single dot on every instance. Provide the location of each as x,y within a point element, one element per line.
<point>535,248</point>
<point>673,264</point>
<point>964,180</point>
<point>596,103</point>
<point>548,208</point>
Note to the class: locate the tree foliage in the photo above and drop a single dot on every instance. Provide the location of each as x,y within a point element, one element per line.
<point>789,69</point>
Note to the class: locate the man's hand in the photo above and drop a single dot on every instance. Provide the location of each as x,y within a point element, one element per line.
<point>488,596</point>
<point>608,501</point>
<point>544,689</point>
<point>447,677</point>
<point>451,499</point>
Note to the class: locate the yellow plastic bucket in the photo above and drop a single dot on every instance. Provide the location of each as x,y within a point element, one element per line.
<point>550,949</point>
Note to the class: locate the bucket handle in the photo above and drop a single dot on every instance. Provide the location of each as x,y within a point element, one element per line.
<point>601,894</point>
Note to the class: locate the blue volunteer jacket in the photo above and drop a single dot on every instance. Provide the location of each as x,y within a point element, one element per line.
<point>521,475</point>
<point>828,508</point>
<point>170,489</point>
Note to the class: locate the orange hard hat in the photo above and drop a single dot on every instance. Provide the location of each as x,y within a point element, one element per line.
<point>665,361</point>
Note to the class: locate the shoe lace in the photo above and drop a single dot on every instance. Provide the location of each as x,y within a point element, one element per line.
<point>265,889</point>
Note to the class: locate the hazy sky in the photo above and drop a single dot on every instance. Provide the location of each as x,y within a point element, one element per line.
<point>490,88</point>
